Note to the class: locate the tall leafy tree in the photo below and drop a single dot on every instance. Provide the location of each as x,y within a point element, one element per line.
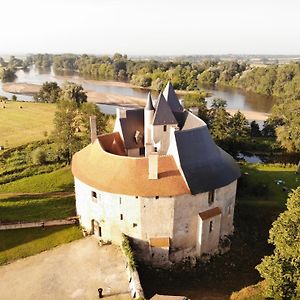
<point>49,92</point>
<point>281,270</point>
<point>288,133</point>
<point>74,92</point>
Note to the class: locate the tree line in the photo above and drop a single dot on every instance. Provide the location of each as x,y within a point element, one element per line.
<point>281,81</point>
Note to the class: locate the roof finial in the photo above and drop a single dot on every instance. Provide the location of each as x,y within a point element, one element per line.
<point>149,104</point>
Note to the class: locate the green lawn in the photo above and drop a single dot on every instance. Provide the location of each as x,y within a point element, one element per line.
<point>59,180</point>
<point>20,126</point>
<point>31,208</point>
<point>20,243</point>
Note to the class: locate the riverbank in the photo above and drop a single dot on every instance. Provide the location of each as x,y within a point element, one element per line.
<point>116,99</point>
<point>21,88</point>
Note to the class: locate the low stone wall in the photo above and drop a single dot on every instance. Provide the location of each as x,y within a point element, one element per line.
<point>37,224</point>
<point>134,282</point>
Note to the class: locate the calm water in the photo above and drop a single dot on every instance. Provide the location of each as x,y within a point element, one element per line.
<point>236,99</point>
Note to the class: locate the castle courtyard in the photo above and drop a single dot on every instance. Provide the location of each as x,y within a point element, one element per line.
<point>72,271</point>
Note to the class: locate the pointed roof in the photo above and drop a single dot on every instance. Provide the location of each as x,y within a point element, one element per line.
<point>171,98</point>
<point>149,104</point>
<point>163,114</point>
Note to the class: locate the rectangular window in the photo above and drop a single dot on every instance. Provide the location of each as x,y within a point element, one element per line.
<point>155,149</point>
<point>211,197</point>
<point>120,199</point>
<point>165,127</point>
<point>134,225</point>
<point>210,226</point>
<point>121,217</point>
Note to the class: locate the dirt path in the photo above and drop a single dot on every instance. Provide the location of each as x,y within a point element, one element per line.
<point>72,271</point>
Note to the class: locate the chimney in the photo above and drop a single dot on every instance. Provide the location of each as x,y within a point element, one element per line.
<point>120,113</point>
<point>153,165</point>
<point>93,127</point>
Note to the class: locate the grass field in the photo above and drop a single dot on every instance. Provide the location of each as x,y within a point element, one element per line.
<point>20,243</point>
<point>40,197</point>
<point>58,181</point>
<point>20,126</point>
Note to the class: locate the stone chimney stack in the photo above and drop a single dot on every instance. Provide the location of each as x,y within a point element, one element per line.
<point>153,165</point>
<point>93,126</point>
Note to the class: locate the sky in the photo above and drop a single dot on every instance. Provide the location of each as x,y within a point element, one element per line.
<point>153,27</point>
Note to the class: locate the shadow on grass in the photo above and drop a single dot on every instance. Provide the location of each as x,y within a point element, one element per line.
<point>16,237</point>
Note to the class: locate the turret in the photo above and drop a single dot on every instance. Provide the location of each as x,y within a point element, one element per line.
<point>148,117</point>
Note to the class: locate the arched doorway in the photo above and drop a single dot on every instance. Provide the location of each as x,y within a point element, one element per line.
<point>96,229</point>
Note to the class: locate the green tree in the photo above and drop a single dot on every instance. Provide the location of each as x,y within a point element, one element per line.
<point>75,92</point>
<point>281,270</point>
<point>254,131</point>
<point>49,92</point>
<point>288,132</point>
<point>7,74</point>
<point>66,124</point>
<point>239,128</point>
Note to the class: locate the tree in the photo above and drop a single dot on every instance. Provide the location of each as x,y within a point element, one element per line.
<point>254,131</point>
<point>238,127</point>
<point>66,127</point>
<point>75,92</point>
<point>288,133</point>
<point>49,92</point>
<point>7,74</point>
<point>281,270</point>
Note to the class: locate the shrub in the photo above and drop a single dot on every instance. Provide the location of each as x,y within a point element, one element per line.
<point>38,156</point>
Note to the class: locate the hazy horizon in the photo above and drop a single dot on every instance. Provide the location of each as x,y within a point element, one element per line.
<point>151,28</point>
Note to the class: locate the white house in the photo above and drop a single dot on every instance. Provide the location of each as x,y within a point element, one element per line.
<point>160,179</point>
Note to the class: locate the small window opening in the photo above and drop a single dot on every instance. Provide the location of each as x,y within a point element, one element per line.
<point>121,217</point>
<point>142,151</point>
<point>155,149</point>
<point>156,197</point>
<point>165,127</point>
<point>210,226</point>
<point>134,225</point>
<point>120,199</point>
<point>94,194</point>
<point>211,197</point>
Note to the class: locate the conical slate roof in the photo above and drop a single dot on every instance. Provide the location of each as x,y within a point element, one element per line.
<point>149,104</point>
<point>171,98</point>
<point>163,114</point>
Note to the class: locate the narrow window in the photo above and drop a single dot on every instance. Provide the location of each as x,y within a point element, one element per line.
<point>134,225</point>
<point>142,151</point>
<point>210,226</point>
<point>165,127</point>
<point>100,231</point>
<point>121,217</point>
<point>155,149</point>
<point>94,196</point>
<point>211,197</point>
<point>120,199</point>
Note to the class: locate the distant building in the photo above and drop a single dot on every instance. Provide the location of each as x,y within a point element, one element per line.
<point>160,179</point>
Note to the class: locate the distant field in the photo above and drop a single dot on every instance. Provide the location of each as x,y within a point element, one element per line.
<point>20,243</point>
<point>22,125</point>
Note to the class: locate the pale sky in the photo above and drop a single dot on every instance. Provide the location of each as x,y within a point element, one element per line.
<point>153,27</point>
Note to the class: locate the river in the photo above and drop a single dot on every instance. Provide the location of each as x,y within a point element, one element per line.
<point>236,99</point>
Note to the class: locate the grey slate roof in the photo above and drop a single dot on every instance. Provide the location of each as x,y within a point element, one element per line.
<point>149,103</point>
<point>163,114</point>
<point>134,121</point>
<point>205,166</point>
<point>171,98</point>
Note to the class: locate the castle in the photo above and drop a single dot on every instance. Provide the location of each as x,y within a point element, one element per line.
<point>158,178</point>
